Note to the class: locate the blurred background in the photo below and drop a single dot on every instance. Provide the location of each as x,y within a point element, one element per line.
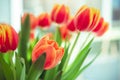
<point>107,65</point>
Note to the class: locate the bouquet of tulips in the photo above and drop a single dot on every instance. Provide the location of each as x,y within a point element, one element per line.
<point>42,49</point>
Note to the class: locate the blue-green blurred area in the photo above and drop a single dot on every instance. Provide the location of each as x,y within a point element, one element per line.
<point>107,65</point>
<point>5,11</point>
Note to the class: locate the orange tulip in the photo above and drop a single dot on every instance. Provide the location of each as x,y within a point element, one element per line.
<point>54,53</point>
<point>83,18</point>
<point>8,38</point>
<point>44,20</point>
<point>60,13</point>
<point>71,25</point>
<point>65,34</point>
<point>33,20</point>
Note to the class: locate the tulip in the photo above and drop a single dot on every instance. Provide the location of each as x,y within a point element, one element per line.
<point>60,14</point>
<point>96,19</point>
<point>83,18</point>
<point>65,34</point>
<point>54,53</point>
<point>103,29</point>
<point>8,38</point>
<point>33,20</point>
<point>44,20</point>
<point>71,25</point>
<point>99,26</point>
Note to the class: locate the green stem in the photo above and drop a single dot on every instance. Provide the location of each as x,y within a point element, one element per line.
<point>83,44</point>
<point>71,50</point>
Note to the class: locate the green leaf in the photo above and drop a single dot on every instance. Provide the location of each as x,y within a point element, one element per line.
<point>64,57</point>
<point>77,63</point>
<point>50,74</point>
<point>20,68</point>
<point>58,38</point>
<point>8,57</point>
<point>36,68</point>
<point>84,67</point>
<point>58,76</point>
<point>71,51</point>
<point>7,69</point>
<point>23,75</point>
<point>2,77</point>
<point>24,37</point>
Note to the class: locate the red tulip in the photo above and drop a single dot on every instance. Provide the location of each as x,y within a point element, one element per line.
<point>44,20</point>
<point>83,18</point>
<point>54,53</point>
<point>103,29</point>
<point>99,26</point>
<point>71,25</point>
<point>33,20</point>
<point>60,13</point>
<point>95,20</point>
<point>8,38</point>
<point>65,34</point>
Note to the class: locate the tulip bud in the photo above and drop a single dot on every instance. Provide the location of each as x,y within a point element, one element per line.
<point>95,21</point>
<point>54,53</point>
<point>103,29</point>
<point>44,20</point>
<point>60,14</point>
<point>8,38</point>
<point>65,34</point>
<point>99,25</point>
<point>83,18</point>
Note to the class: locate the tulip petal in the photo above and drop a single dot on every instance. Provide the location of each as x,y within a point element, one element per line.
<point>44,20</point>
<point>14,39</point>
<point>103,30</point>
<point>8,38</point>
<point>81,9</point>
<point>99,26</point>
<point>60,14</point>
<point>84,19</point>
<point>50,47</point>
<point>71,25</point>
<point>59,55</point>
<point>96,18</point>
<point>50,55</point>
<point>53,12</point>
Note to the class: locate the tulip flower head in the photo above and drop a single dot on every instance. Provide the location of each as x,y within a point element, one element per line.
<point>54,53</point>
<point>8,38</point>
<point>99,26</point>
<point>60,13</point>
<point>83,18</point>
<point>65,34</point>
<point>44,20</point>
<point>95,20</point>
<point>89,19</point>
<point>103,29</point>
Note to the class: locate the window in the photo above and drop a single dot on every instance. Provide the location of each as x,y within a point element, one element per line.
<point>116,13</point>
